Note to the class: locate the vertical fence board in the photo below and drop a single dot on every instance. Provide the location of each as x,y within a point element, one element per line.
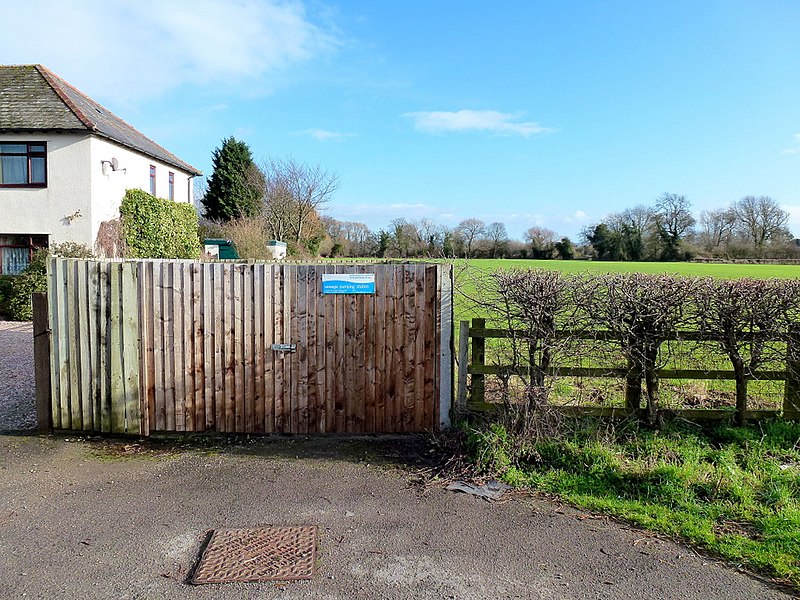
<point>258,282</point>
<point>159,348</point>
<point>197,333</point>
<point>105,347</point>
<point>341,362</point>
<point>83,357</point>
<point>229,312</point>
<point>430,368</point>
<point>393,354</point>
<point>331,327</point>
<point>320,351</point>
<point>369,352</point>
<point>129,316</point>
<point>382,364</point>
<point>279,287</point>
<point>73,328</point>
<point>41,363</point>
<point>176,353</point>
<point>410,331</point>
<point>288,294</point>
<point>269,356</point>
<point>349,387</point>
<point>237,308</point>
<point>148,329</point>
<point>249,350</point>
<point>53,320</point>
<point>117,397</point>
<point>299,358</point>
<point>310,369</point>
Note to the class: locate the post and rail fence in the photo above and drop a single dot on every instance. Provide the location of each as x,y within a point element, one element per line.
<point>473,369</point>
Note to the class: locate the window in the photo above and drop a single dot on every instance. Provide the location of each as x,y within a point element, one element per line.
<point>16,251</point>
<point>171,185</point>
<point>23,164</point>
<point>152,180</point>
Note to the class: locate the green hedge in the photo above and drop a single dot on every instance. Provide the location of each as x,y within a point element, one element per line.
<point>16,302</point>
<point>157,228</point>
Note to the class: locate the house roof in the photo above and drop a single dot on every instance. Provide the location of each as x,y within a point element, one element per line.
<point>33,98</point>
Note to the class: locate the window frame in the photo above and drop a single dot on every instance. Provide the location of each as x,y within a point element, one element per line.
<point>29,241</point>
<point>152,180</point>
<point>29,154</point>
<point>171,184</point>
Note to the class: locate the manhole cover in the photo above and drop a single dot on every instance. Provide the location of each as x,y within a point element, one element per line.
<point>263,554</point>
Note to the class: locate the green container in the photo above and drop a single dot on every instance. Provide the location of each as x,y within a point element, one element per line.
<point>226,248</point>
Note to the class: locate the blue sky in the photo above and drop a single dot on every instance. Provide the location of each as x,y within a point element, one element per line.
<point>531,113</point>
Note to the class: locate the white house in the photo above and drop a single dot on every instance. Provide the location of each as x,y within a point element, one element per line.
<point>65,163</point>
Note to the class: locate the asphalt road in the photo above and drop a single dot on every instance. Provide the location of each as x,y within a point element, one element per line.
<point>114,519</point>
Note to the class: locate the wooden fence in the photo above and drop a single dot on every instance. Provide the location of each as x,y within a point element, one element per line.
<point>150,346</point>
<point>473,369</point>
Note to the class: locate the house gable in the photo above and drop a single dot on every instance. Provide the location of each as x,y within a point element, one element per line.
<point>33,98</point>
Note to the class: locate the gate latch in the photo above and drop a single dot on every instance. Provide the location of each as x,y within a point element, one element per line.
<point>284,347</point>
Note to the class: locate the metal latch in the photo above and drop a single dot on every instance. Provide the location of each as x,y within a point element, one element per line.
<point>284,347</point>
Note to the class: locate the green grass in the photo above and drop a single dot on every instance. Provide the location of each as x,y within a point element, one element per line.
<point>732,491</point>
<point>724,271</point>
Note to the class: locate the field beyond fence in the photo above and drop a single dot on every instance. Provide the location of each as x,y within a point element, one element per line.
<point>631,344</point>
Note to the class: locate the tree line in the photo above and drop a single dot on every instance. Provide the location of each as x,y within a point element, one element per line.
<point>284,199</point>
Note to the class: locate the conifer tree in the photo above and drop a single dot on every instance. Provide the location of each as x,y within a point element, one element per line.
<point>235,186</point>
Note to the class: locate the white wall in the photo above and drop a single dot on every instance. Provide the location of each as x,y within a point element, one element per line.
<point>45,210</point>
<point>133,172</point>
<point>75,174</point>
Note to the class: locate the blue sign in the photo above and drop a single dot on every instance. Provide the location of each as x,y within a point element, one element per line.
<point>348,283</point>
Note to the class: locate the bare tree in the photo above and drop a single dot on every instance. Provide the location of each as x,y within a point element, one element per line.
<point>470,230</point>
<point>673,218</point>
<point>541,240</point>
<point>497,237</point>
<point>761,220</point>
<point>716,228</point>
<point>294,192</point>
<point>430,236</point>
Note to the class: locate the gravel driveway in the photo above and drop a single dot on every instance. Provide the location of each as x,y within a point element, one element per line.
<point>125,518</point>
<point>17,390</point>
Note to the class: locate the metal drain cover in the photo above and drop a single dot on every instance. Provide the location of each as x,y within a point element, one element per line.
<point>263,554</point>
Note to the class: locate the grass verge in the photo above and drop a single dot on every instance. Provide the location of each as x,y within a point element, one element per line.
<point>733,491</point>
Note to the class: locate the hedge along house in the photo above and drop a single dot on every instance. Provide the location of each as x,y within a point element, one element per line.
<point>65,163</point>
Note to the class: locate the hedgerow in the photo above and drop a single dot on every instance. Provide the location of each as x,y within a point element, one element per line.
<point>157,228</point>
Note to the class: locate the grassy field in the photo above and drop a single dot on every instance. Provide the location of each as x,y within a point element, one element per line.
<point>725,271</point>
<point>472,275</point>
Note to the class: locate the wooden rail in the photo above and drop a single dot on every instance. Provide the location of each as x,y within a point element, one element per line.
<point>473,371</point>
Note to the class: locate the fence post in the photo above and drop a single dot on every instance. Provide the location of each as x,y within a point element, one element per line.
<point>791,395</point>
<point>41,361</point>
<point>463,358</point>
<point>633,385</point>
<point>477,381</point>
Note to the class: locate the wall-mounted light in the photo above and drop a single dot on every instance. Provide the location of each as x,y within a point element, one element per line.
<point>114,164</point>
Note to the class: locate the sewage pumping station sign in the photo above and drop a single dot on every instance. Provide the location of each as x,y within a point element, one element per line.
<point>348,283</point>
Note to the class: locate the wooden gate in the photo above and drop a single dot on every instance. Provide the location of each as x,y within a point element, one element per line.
<point>258,347</point>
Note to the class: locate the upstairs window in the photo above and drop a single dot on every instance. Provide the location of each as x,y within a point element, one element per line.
<point>171,185</point>
<point>152,180</point>
<point>23,164</point>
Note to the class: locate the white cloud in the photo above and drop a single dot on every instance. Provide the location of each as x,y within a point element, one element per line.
<point>128,50</point>
<point>490,121</point>
<point>323,135</point>
<point>796,148</point>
